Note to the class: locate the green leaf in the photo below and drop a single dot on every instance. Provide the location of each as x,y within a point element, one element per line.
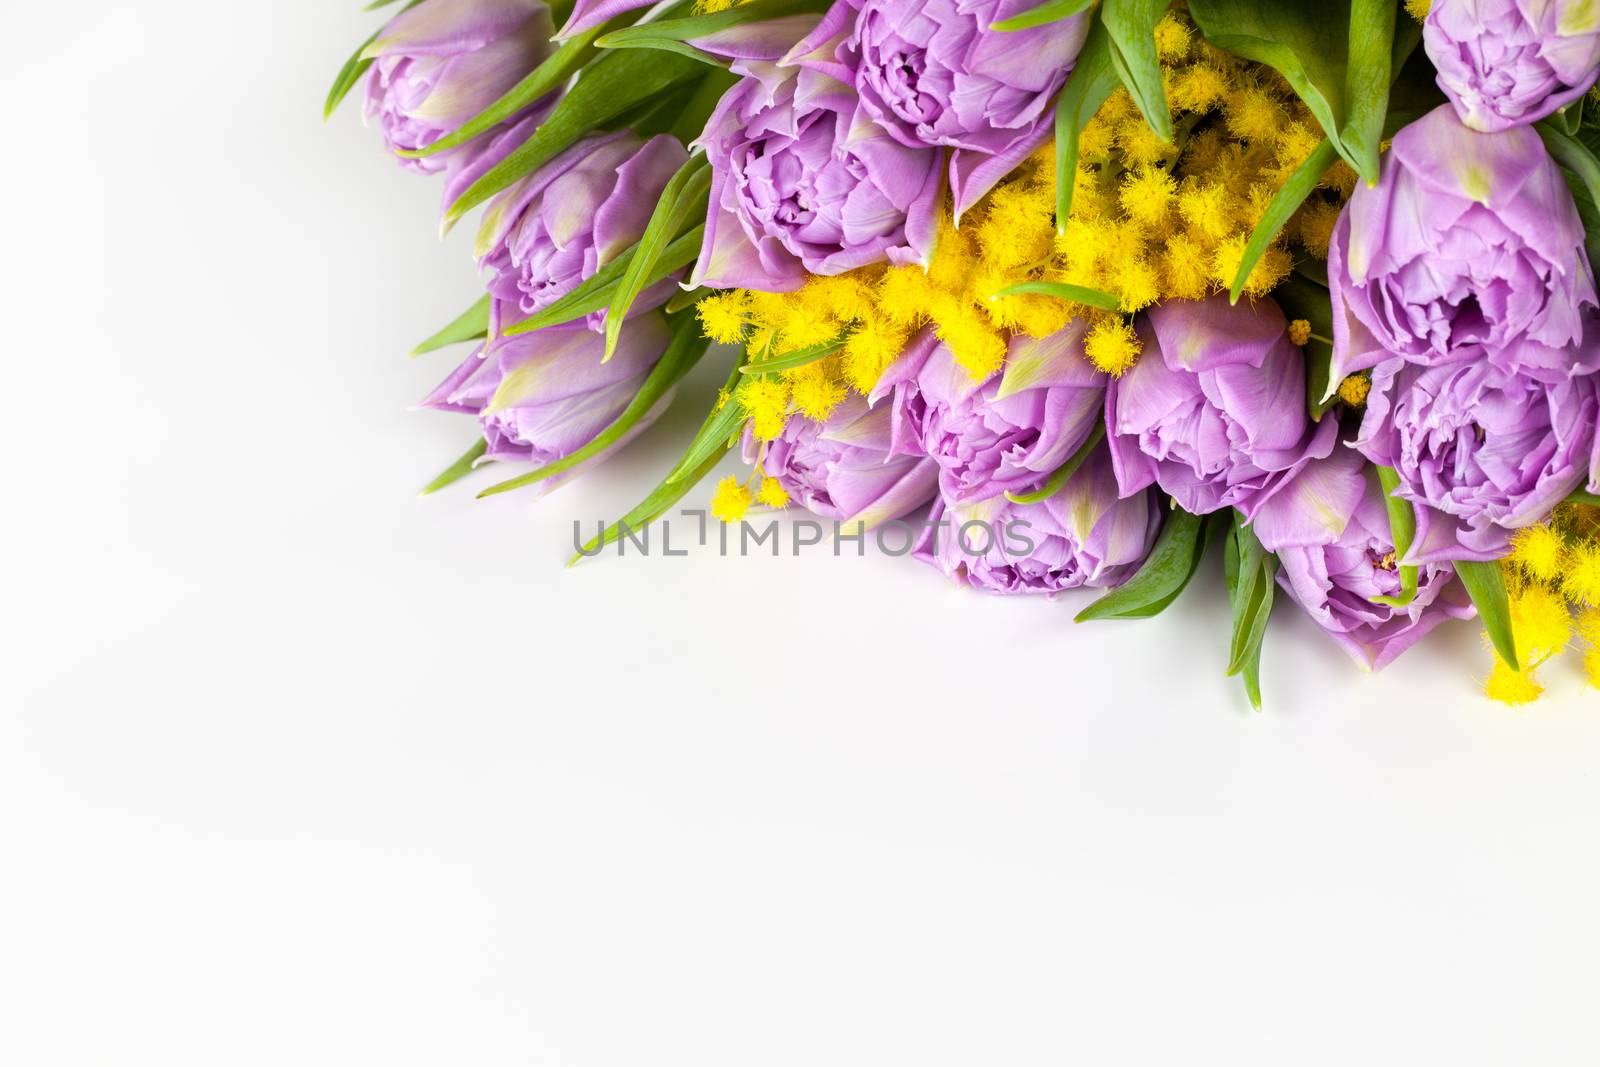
<point>1238,600</point>
<point>649,509</point>
<point>1253,603</point>
<point>798,358</point>
<point>674,34</point>
<point>1132,25</point>
<point>714,435</point>
<point>471,325</point>
<point>457,470</point>
<point>1060,290</point>
<point>1301,298</point>
<point>1373,63</point>
<point>1049,11</point>
<point>691,120</point>
<point>1487,587</point>
<point>1172,562</point>
<point>612,84</point>
<point>596,291</point>
<point>1309,44</point>
<point>683,352</point>
<point>1093,78</point>
<point>683,198</point>
<point>1403,529</point>
<point>1285,202</point>
<point>1063,473</point>
<point>1580,496</point>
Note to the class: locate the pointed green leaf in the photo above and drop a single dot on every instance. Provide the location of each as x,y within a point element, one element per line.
<point>683,198</point>
<point>1093,78</point>
<point>1372,64</point>
<point>1285,202</point>
<point>1403,529</point>
<point>798,358</point>
<point>1132,25</point>
<point>457,470</point>
<point>1049,11</point>
<point>650,508</point>
<point>674,34</point>
<point>1078,294</point>
<point>471,325</point>
<point>714,435</point>
<point>1487,587</point>
<point>1172,562</point>
<point>1252,597</point>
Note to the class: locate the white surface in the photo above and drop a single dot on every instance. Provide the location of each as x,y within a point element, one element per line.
<point>296,767</point>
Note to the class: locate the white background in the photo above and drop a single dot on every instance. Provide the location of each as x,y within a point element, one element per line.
<point>298,768</point>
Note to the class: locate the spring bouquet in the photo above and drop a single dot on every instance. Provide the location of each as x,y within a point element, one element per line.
<point>1081,294</point>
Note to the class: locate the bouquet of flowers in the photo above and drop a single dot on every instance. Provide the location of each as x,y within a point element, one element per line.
<point>1077,289</point>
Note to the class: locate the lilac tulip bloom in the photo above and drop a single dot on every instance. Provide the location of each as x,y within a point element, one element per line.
<point>555,228</point>
<point>1082,535</point>
<point>842,469</point>
<point>937,74</point>
<point>1329,528</point>
<point>802,182</point>
<point>1507,63</point>
<point>1006,433</point>
<point>1469,248</point>
<point>1487,451</point>
<point>1214,411</point>
<point>541,396</point>
<point>439,64</point>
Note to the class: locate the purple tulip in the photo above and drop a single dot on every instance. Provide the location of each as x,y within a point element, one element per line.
<point>1006,433</point>
<point>561,224</point>
<point>1330,530</point>
<point>541,396</point>
<point>802,182</point>
<point>1083,535</point>
<point>936,74</point>
<point>439,64</point>
<point>1507,63</point>
<point>842,469</point>
<point>1486,450</point>
<point>1468,248</point>
<point>1214,411</point>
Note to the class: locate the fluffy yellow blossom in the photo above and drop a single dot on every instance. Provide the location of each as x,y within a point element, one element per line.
<point>1299,331</point>
<point>723,316</point>
<point>772,494</point>
<point>1172,37</point>
<point>815,389</point>
<point>765,400</point>
<point>1538,551</point>
<point>1511,687</point>
<point>731,500</point>
<point>1147,195</point>
<point>1541,623</point>
<point>1581,581</point>
<point>1418,9</point>
<point>1112,345</point>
